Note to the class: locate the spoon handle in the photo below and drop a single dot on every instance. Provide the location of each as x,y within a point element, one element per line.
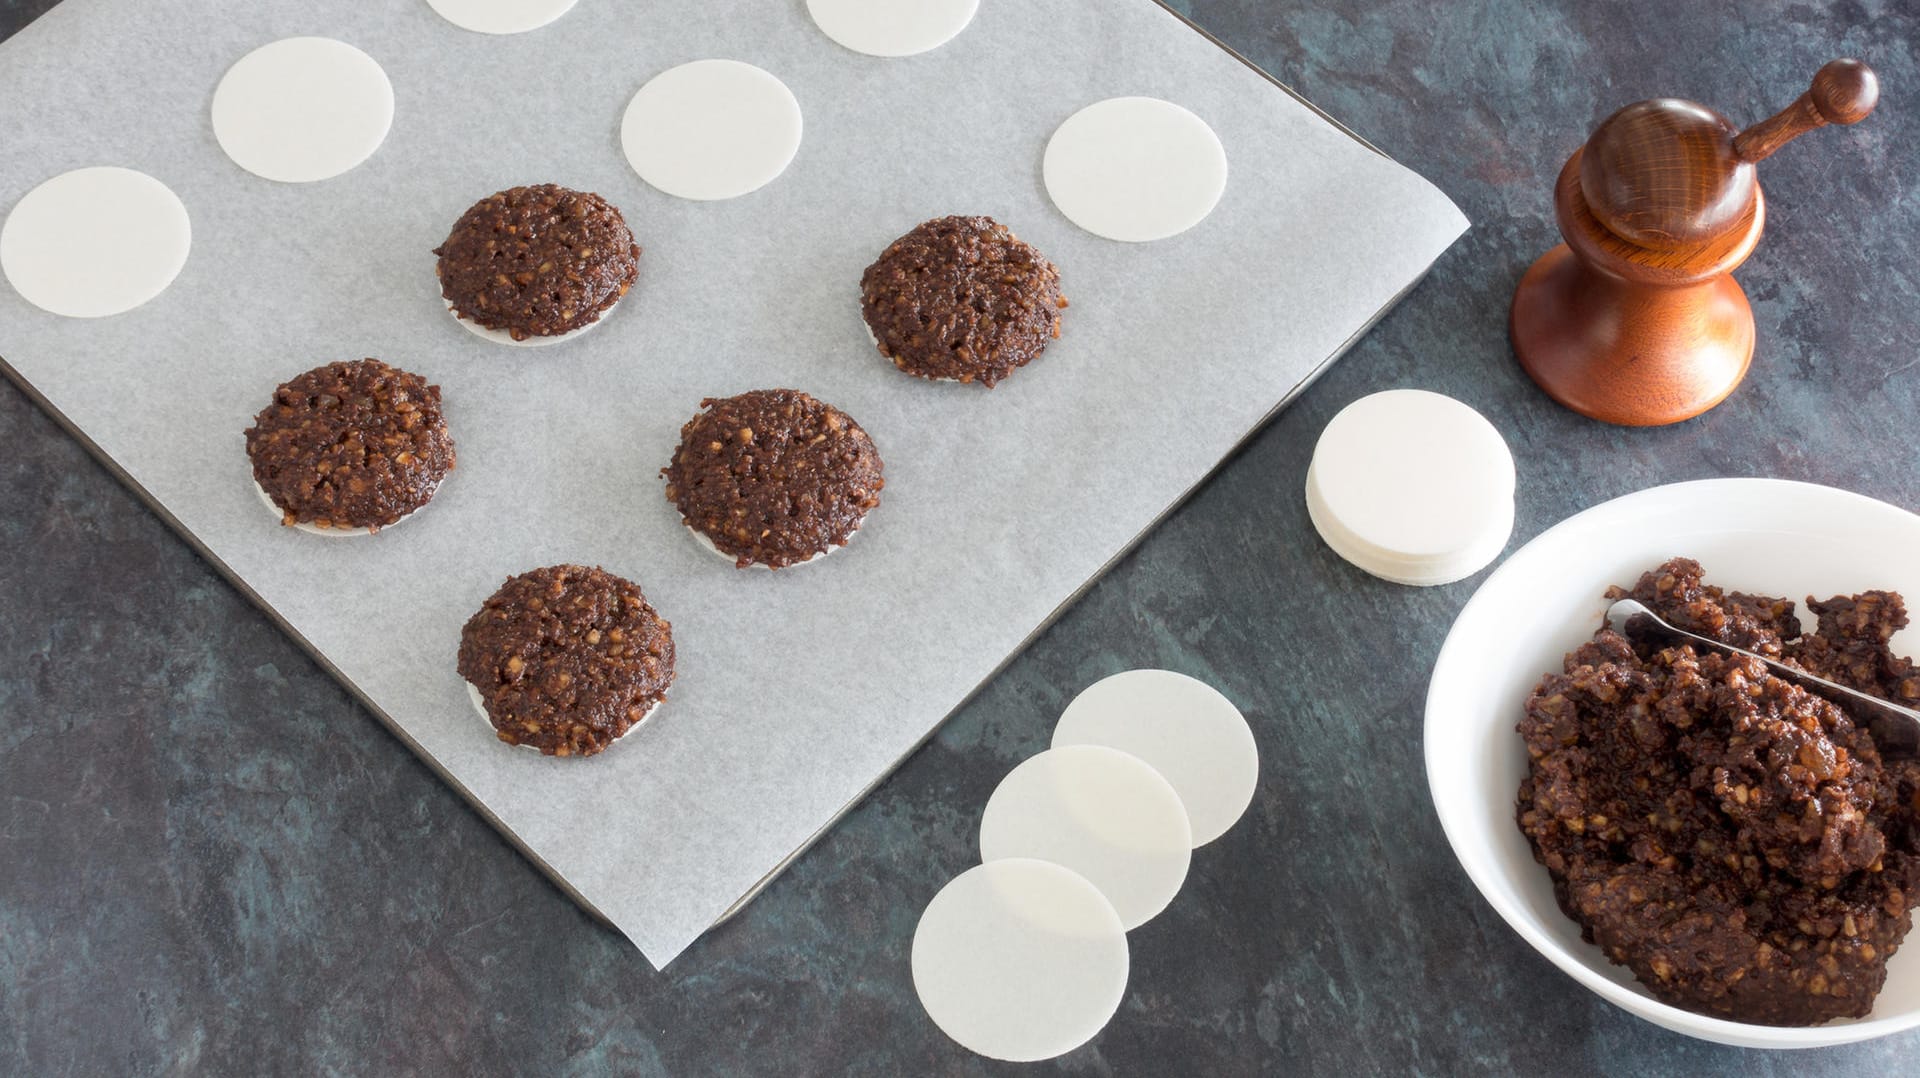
<point>1895,729</point>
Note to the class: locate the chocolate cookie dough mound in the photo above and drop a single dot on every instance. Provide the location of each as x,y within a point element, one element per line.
<point>1737,842</point>
<point>351,445</point>
<point>567,658</point>
<point>537,261</point>
<point>773,477</point>
<point>963,299</point>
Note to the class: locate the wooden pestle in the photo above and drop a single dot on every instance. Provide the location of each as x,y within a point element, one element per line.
<point>1636,319</point>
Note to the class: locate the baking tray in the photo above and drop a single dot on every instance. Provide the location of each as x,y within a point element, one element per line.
<point>1173,353</point>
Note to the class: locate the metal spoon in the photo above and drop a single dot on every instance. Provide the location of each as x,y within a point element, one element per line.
<point>1895,729</point>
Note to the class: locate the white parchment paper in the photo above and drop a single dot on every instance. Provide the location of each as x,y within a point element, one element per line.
<point>796,690</point>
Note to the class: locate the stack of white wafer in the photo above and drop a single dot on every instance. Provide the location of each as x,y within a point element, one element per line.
<point>1413,487</point>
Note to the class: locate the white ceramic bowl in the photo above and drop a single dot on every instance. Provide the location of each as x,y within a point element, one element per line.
<point>1758,535</point>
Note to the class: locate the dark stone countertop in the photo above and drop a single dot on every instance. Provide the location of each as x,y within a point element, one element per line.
<point>213,861</point>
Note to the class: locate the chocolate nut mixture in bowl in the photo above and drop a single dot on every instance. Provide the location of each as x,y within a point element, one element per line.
<point>537,261</point>
<point>1736,841</point>
<point>567,658</point>
<point>351,446</point>
<point>773,477</point>
<point>963,299</point>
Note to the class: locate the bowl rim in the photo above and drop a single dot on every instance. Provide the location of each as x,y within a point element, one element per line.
<point>1454,822</point>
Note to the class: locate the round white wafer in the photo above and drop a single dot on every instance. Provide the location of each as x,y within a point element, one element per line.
<point>501,336</point>
<point>892,27</point>
<point>1020,960</point>
<point>1101,812</point>
<point>501,16</point>
<point>95,242</point>
<point>480,708</point>
<point>1181,727</point>
<point>1135,169</point>
<point>711,129</point>
<point>279,515</point>
<point>302,109</point>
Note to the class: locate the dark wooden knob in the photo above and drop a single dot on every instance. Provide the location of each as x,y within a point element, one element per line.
<point>1668,174</point>
<point>1663,174</point>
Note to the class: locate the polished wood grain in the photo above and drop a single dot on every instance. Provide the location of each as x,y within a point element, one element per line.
<point>1636,319</point>
<point>1663,174</point>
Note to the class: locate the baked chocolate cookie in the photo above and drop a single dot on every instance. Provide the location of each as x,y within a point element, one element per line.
<point>566,659</point>
<point>351,445</point>
<point>961,298</point>
<point>773,477</point>
<point>537,261</point>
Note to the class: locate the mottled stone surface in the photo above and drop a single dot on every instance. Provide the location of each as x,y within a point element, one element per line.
<point>212,861</point>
